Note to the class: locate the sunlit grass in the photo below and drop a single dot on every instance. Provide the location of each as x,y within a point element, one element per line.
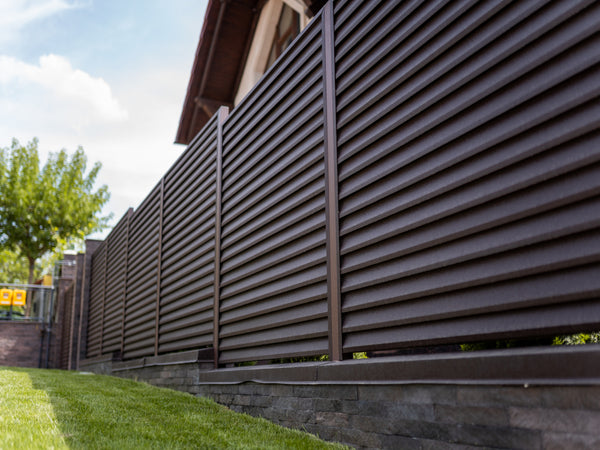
<point>27,418</point>
<point>58,409</point>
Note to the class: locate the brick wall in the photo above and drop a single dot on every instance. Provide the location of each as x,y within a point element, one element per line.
<point>20,344</point>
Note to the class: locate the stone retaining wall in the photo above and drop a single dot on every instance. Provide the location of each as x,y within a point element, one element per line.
<point>426,416</point>
<point>382,404</point>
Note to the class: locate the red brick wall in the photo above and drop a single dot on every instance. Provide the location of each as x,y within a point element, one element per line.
<point>20,344</point>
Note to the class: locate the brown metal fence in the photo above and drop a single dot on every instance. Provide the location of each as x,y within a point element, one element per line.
<point>408,173</point>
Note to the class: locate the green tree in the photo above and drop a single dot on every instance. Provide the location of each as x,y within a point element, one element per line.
<point>44,209</point>
<point>13,268</point>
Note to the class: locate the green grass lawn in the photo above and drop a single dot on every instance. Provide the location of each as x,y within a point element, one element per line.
<point>50,409</point>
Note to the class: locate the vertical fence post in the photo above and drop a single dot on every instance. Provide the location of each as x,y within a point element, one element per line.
<point>331,186</point>
<point>106,244</point>
<point>159,264</point>
<point>222,115</point>
<point>129,214</point>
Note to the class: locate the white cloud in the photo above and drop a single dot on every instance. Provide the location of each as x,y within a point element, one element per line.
<point>62,92</point>
<point>135,153</point>
<point>15,14</point>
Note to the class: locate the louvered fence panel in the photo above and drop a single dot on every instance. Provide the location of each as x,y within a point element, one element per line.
<point>96,305</point>
<point>273,271</point>
<point>116,265</point>
<point>469,168</point>
<point>142,278</point>
<point>187,279</point>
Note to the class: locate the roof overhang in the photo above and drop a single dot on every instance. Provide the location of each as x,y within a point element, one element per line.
<point>223,47</point>
<point>224,41</point>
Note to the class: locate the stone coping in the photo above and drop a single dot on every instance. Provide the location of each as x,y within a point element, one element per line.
<point>560,365</point>
<point>530,366</point>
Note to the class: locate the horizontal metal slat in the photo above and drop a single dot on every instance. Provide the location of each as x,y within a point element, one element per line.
<point>273,84</point>
<point>270,274</point>
<point>193,324</point>
<point>553,255</point>
<point>284,285</point>
<point>197,162</point>
<point>239,254</point>
<point>197,196</point>
<point>115,270</point>
<point>309,177</point>
<point>546,321</point>
<point>115,287</point>
<point>200,237</point>
<point>111,341</point>
<point>195,214</point>
<point>256,261</point>
<point>504,87</point>
<point>296,109</point>
<point>146,309</point>
<point>438,49</point>
<point>547,288</point>
<point>198,301</point>
<point>311,213</point>
<point>184,337</point>
<point>345,10</point>
<point>144,217</point>
<point>308,347</point>
<point>289,203</point>
<point>143,347</point>
<point>551,225</point>
<point>297,331</point>
<point>197,262</point>
<point>301,313</point>
<point>203,290</point>
<point>427,202</point>
<point>502,140</point>
<point>385,30</point>
<point>536,200</point>
<point>304,294</point>
<point>138,261</point>
<point>301,150</point>
<point>140,327</point>
<point>197,278</point>
<point>195,148</point>
<point>113,315</point>
<point>196,312</point>
<point>138,284</point>
<point>194,343</point>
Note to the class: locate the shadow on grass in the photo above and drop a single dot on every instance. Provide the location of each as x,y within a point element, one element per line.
<point>95,411</point>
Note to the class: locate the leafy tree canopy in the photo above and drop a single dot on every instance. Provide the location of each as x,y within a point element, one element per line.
<point>13,269</point>
<point>45,209</point>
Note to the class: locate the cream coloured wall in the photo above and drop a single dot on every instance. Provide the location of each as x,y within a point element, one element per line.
<point>262,41</point>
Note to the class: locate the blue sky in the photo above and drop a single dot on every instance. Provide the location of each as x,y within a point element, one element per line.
<point>109,75</point>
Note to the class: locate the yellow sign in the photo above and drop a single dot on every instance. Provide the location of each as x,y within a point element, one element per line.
<point>19,297</point>
<point>6,297</point>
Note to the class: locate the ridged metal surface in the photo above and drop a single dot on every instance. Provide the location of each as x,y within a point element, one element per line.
<point>273,272</point>
<point>187,276</point>
<point>115,287</point>
<point>468,189</point>
<point>142,278</point>
<point>469,170</point>
<point>97,287</point>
